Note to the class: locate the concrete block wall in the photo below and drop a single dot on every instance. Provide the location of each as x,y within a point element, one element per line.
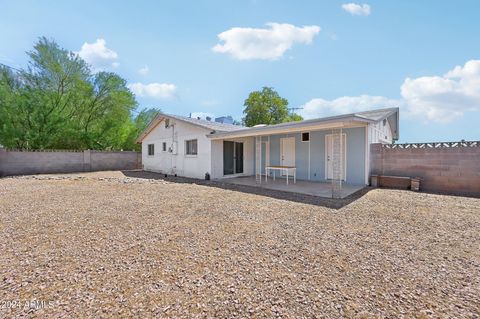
<point>453,170</point>
<point>45,162</point>
<point>102,161</point>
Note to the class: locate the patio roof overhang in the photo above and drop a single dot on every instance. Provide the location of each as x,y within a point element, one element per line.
<point>292,127</point>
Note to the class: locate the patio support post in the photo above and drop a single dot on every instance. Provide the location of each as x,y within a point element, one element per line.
<point>258,159</point>
<point>337,163</point>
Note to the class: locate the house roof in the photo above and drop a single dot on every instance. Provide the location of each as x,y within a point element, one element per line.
<point>223,130</point>
<point>359,117</point>
<point>211,125</point>
<point>208,125</point>
<point>378,114</point>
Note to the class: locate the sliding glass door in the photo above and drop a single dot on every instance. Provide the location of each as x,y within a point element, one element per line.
<point>232,158</point>
<point>228,158</point>
<point>238,158</point>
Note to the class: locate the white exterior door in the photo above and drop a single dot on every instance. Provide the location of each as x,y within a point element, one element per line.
<point>287,151</point>
<point>329,156</point>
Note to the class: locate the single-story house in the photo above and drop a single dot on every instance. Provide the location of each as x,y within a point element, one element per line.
<point>315,149</point>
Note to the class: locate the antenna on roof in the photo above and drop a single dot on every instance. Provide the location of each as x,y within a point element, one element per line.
<point>292,109</point>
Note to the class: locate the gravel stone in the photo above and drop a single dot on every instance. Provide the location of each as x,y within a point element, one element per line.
<point>112,245</point>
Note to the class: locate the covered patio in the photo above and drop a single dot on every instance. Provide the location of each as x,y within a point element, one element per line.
<point>327,163</point>
<point>326,157</point>
<point>314,188</point>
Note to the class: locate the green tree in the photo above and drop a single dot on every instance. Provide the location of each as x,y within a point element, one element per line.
<point>57,102</point>
<point>294,117</point>
<point>266,107</point>
<point>140,123</point>
<point>12,118</point>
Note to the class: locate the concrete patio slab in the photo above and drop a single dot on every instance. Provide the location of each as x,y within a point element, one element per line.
<point>321,189</point>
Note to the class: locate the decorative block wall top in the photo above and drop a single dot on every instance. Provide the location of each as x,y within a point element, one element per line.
<point>433,145</point>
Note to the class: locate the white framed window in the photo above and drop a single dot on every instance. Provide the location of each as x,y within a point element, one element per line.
<point>164,146</point>
<point>305,136</point>
<point>151,149</point>
<point>191,147</point>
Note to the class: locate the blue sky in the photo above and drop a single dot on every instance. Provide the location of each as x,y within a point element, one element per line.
<point>325,56</point>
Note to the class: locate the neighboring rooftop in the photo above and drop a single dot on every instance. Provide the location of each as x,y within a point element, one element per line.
<point>213,126</point>
<point>224,119</point>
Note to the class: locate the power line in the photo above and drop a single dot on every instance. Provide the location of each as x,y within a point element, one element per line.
<point>292,109</point>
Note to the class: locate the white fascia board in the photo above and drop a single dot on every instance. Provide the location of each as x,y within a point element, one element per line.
<point>283,130</point>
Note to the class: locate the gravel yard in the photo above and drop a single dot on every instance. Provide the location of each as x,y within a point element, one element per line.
<point>107,245</point>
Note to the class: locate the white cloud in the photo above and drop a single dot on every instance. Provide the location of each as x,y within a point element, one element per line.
<point>444,98</point>
<point>144,70</point>
<point>98,55</point>
<point>357,9</point>
<point>154,90</point>
<point>344,105</point>
<point>439,99</point>
<point>264,43</point>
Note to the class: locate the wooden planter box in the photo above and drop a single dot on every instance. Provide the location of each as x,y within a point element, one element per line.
<point>396,182</point>
<point>415,184</point>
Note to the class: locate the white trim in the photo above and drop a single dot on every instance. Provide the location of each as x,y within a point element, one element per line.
<point>286,131</point>
<point>301,137</point>
<point>258,158</point>
<point>309,139</point>
<point>148,149</point>
<point>186,147</point>
<point>345,164</point>
<point>367,156</point>
<point>267,153</point>
<point>234,157</point>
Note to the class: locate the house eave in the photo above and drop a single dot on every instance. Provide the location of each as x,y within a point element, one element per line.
<point>262,131</point>
<point>150,127</point>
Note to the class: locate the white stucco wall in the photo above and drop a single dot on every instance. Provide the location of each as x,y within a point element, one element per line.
<point>175,136</point>
<point>380,133</point>
<point>248,157</point>
<point>376,133</point>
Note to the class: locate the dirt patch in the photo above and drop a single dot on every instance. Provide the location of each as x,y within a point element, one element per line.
<point>110,245</point>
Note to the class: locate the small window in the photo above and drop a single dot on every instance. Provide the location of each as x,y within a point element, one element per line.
<point>384,122</point>
<point>151,149</point>
<point>167,123</point>
<point>305,137</point>
<point>164,146</point>
<point>191,147</point>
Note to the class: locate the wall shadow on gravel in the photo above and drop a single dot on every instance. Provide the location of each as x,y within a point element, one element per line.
<point>295,197</point>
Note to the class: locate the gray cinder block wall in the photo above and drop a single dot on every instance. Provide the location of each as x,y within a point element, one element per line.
<point>43,162</point>
<point>454,170</point>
